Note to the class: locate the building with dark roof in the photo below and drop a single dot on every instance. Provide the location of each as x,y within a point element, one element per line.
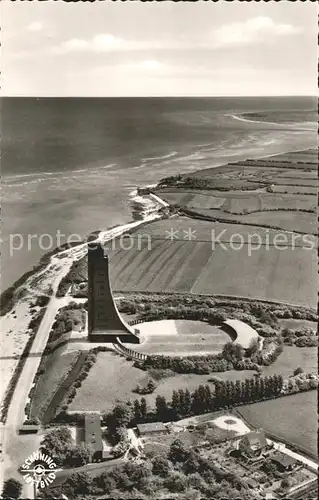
<point>284,463</point>
<point>151,429</point>
<point>105,323</point>
<point>93,435</point>
<point>29,429</point>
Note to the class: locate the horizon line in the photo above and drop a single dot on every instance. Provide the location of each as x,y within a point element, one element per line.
<point>154,96</point>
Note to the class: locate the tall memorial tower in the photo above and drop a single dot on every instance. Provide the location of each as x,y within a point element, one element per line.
<point>105,322</point>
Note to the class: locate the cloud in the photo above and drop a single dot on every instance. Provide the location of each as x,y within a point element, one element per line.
<point>253,30</point>
<point>106,42</point>
<point>36,26</point>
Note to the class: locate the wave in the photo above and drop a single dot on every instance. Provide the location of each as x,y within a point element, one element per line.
<point>164,157</point>
<point>291,126</point>
<point>241,119</point>
<point>43,176</point>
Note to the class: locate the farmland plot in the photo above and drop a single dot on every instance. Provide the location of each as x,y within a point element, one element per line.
<point>273,201</point>
<point>295,181</point>
<point>288,221</point>
<point>284,275</point>
<point>281,188</point>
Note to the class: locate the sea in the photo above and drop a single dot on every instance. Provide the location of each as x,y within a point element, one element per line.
<point>72,165</point>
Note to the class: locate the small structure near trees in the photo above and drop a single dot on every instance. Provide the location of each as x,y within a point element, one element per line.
<point>151,429</point>
<point>253,443</point>
<point>93,435</point>
<point>283,462</point>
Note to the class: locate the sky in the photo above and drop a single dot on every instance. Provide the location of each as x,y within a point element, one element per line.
<point>159,49</point>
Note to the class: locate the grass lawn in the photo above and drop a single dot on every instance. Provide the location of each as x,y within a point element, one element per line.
<point>181,337</point>
<point>291,358</point>
<point>57,365</point>
<point>113,379</point>
<point>292,418</point>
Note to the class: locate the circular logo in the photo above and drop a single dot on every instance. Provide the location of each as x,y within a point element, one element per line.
<point>39,469</point>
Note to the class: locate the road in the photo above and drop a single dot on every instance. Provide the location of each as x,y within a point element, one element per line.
<point>16,448</point>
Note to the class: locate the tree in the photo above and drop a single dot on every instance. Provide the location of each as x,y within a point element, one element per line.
<point>298,371</point>
<point>187,402</point>
<point>175,403</point>
<point>178,452</point>
<point>253,347</point>
<point>137,410</point>
<point>143,409</point>
<point>12,488</point>
<point>78,456</point>
<point>233,352</point>
<point>57,443</point>
<point>79,483</point>
<point>105,482</point>
<point>181,395</point>
<point>176,482</point>
<point>161,466</point>
<point>151,386</point>
<point>192,464</point>
<point>121,415</point>
<point>285,483</point>
<point>161,407</point>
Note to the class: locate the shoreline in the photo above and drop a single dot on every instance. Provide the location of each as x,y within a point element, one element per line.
<point>16,325</point>
<point>242,117</point>
<point>11,289</point>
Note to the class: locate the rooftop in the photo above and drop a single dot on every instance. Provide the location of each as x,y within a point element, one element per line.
<point>151,427</point>
<point>283,459</point>
<point>93,431</point>
<point>256,439</point>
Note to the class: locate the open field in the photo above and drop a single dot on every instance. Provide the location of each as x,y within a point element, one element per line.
<point>296,221</point>
<point>113,379</point>
<point>300,175</point>
<point>288,221</point>
<point>272,274</point>
<point>292,418</point>
<point>57,365</point>
<point>286,188</point>
<point>244,202</point>
<point>208,264</point>
<point>181,338</point>
<point>295,181</point>
<point>291,358</point>
<point>186,229</point>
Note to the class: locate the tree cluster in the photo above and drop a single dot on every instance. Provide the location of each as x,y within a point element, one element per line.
<point>58,443</point>
<point>224,394</point>
<point>179,471</point>
<point>256,314</point>
<point>301,337</point>
<point>149,388</point>
<point>11,489</point>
